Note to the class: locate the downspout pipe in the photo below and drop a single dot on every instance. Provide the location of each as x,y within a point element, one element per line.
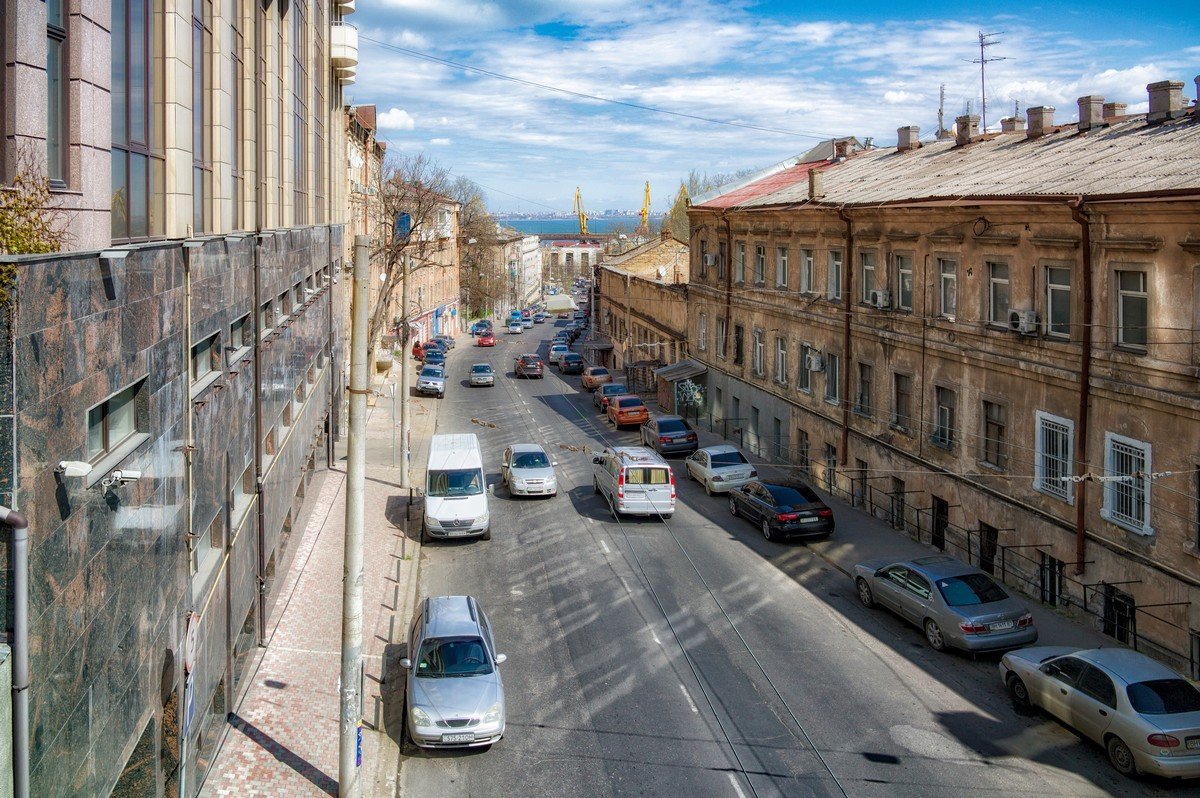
<point>1081,217</point>
<point>728,281</point>
<point>20,687</point>
<point>847,354</point>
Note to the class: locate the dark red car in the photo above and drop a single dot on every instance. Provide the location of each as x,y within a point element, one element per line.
<point>487,339</point>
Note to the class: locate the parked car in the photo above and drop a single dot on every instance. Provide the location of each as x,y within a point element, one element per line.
<point>486,339</point>
<point>454,695</point>
<point>782,511</point>
<point>627,409</point>
<point>634,481</point>
<point>528,366</point>
<point>1145,715</point>
<point>516,328</point>
<point>482,374</point>
<point>607,391</point>
<point>561,338</point>
<point>480,327</point>
<point>571,363</point>
<point>954,603</point>
<point>527,470</point>
<point>432,346</point>
<point>580,315</point>
<point>563,314</point>
<point>434,357</point>
<point>432,380</point>
<point>556,352</point>
<point>539,318</point>
<point>594,377</point>
<point>447,340</point>
<point>669,435</point>
<point>719,469</point>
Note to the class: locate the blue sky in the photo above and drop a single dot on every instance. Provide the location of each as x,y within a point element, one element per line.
<point>811,69</point>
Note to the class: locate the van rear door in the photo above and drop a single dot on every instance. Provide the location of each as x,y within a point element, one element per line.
<point>648,488</point>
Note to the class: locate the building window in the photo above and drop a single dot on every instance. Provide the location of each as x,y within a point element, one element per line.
<point>1132,309</point>
<point>206,357</point>
<point>901,401</point>
<point>241,334</point>
<point>866,275</point>
<point>1127,489</point>
<point>722,259</point>
<point>236,83</point>
<point>862,397</point>
<point>807,261</point>
<point>721,338</point>
<point>703,324</point>
<point>998,293</point>
<point>833,382</point>
<point>944,406</point>
<point>802,449</point>
<point>285,303</point>
<point>320,76</point>
<point>739,262</point>
<point>703,258</point>
<point>781,267</point>
<point>201,114</point>
<point>760,263</point>
<point>56,93</point>
<point>904,282</point>
<point>739,353</point>
<point>804,380</point>
<point>781,375</point>
<point>266,316</point>
<point>834,276</point>
<point>995,434</point>
<point>300,113</point>
<point>138,189</point>
<point>1052,455</point>
<point>759,354</point>
<point>1058,301</point>
<point>948,287</point>
<point>297,295</point>
<point>113,421</point>
<point>830,467</point>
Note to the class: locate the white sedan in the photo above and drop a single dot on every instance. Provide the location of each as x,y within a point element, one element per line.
<point>557,351</point>
<point>527,470</point>
<point>719,469</point>
<point>516,328</point>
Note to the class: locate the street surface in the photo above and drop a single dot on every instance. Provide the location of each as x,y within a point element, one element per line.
<point>693,658</point>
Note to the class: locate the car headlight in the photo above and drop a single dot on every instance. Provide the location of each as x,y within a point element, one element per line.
<point>432,523</point>
<point>493,713</point>
<point>420,717</point>
<point>483,519</point>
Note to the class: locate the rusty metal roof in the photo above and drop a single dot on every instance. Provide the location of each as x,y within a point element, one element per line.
<point>1128,157</point>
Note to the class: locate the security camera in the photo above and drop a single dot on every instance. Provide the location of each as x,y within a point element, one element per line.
<point>126,475</point>
<point>73,468</point>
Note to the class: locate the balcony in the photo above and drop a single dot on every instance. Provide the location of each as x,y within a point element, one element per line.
<point>343,45</point>
<point>346,75</point>
<point>344,6</point>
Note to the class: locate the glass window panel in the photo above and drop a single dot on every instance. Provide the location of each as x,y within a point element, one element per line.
<point>120,195</point>
<point>54,120</point>
<point>139,84</point>
<point>121,417</point>
<point>1058,288</point>
<point>54,12</point>
<point>138,222</point>
<point>119,56</point>
<point>157,200</point>
<point>96,430</point>
<point>197,93</point>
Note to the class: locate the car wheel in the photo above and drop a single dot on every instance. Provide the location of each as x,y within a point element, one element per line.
<point>1120,756</point>
<point>933,633</point>
<point>864,593</point>
<point>595,486</point>
<point>766,529</point>
<point>708,487</point>
<point>612,509</point>
<point>733,506</point>
<point>424,534</point>
<point>1019,694</point>
<point>487,533</point>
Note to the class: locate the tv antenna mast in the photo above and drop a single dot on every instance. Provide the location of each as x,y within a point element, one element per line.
<point>942,133</point>
<point>986,40</point>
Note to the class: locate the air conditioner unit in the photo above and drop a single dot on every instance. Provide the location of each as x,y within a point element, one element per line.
<point>710,259</point>
<point>1023,321</point>
<point>815,361</point>
<point>881,298</point>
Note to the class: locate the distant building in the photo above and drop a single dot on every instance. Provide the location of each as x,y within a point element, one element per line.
<point>565,259</point>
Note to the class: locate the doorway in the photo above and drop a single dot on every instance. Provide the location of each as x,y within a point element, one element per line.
<point>989,538</point>
<point>1118,614</point>
<point>941,520</point>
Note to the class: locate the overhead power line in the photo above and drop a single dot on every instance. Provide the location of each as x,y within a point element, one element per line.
<point>594,97</point>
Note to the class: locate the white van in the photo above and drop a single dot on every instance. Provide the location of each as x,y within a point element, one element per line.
<point>634,480</point>
<point>456,501</point>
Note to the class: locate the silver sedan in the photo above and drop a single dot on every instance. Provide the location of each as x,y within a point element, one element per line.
<point>719,468</point>
<point>482,374</point>
<point>528,471</point>
<point>1145,715</point>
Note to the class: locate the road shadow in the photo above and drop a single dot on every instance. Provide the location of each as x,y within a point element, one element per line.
<point>319,778</point>
<point>403,516</point>
<point>391,692</point>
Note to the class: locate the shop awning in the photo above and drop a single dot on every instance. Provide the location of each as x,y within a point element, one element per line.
<point>683,370</point>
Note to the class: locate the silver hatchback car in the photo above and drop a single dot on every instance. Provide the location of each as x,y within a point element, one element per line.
<point>454,697</point>
<point>955,604</point>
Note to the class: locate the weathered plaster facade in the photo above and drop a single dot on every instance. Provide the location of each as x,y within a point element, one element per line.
<point>642,296</point>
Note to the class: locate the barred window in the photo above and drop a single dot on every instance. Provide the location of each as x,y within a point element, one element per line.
<point>1127,497</point>
<point>1053,454</point>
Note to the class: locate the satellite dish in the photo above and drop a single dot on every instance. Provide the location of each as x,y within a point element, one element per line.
<point>662,272</point>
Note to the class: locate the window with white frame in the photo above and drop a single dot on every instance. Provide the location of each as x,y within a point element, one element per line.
<point>113,421</point>
<point>739,262</point>
<point>1127,489</point>
<point>1053,452</point>
<point>720,337</point>
<point>807,261</point>
<point>804,373</point>
<point>781,267</point>
<point>760,366</point>
<point>1058,301</point>
<point>947,287</point>
<point>904,282</point>
<point>703,332</point>
<point>833,379</point>
<point>998,293</point>
<point>781,375</point>
<point>945,407</point>
<point>834,276</point>
<point>760,263</point>
<point>866,273</point>
<point>1132,309</point>
<point>703,258</point>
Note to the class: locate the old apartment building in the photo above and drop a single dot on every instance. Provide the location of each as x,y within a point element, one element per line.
<point>990,340</point>
<point>172,377</point>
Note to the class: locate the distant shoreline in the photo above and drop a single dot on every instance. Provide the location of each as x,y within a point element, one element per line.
<point>570,225</point>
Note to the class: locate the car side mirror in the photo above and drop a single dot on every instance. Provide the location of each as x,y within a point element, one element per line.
<point>501,659</point>
<point>879,573</point>
<point>405,663</point>
<point>554,464</point>
<point>596,460</point>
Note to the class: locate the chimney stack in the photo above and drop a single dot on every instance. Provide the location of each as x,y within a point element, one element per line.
<point>1012,124</point>
<point>1091,112</point>
<point>816,184</point>
<point>841,149</point>
<point>1040,118</point>
<point>1166,100</point>
<point>1114,109</point>
<point>966,129</point>
<point>908,138</point>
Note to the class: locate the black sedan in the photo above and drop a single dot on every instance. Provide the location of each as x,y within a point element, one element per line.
<point>782,511</point>
<point>571,363</point>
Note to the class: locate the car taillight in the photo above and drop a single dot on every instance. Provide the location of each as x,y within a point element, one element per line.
<point>973,628</point>
<point>824,513</point>
<point>1025,620</point>
<point>672,473</point>
<point>786,517</point>
<point>621,485</point>
<point>691,436</point>
<point>663,439</point>
<point>1163,741</point>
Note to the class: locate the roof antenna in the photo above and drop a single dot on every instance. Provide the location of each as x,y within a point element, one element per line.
<point>942,133</point>
<point>983,61</point>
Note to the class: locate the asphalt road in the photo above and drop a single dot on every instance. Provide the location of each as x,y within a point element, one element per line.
<point>693,658</point>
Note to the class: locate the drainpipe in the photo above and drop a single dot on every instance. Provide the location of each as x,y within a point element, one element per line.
<point>20,685</point>
<point>1085,384</point>
<point>847,359</point>
<point>728,282</point>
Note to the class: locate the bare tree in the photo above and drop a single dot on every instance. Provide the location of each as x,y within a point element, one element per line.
<point>478,237</point>
<point>696,183</point>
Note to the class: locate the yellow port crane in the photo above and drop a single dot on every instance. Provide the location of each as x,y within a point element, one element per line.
<point>644,227</point>
<point>579,211</point>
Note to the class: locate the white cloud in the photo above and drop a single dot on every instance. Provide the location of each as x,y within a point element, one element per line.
<point>397,119</point>
<point>898,97</point>
<point>439,142</point>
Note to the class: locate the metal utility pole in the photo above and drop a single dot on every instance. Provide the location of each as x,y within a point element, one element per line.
<point>983,61</point>
<point>405,365</point>
<point>350,737</point>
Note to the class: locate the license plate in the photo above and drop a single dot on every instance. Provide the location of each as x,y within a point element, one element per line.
<point>462,737</point>
<point>808,520</point>
<point>457,533</point>
<point>1193,742</point>
<point>1002,626</point>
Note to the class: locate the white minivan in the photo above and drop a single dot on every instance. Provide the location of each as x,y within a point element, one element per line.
<point>634,480</point>
<point>456,500</point>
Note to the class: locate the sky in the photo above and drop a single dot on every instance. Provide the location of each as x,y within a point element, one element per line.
<point>514,95</point>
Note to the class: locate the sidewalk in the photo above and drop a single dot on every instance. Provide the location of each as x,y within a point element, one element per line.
<point>283,739</point>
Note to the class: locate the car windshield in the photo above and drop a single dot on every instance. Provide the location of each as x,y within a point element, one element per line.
<point>482,368</point>
<point>791,497</point>
<point>729,458</point>
<point>430,371</point>
<point>1163,697</point>
<point>673,425</point>
<point>968,589</point>
<point>455,482</point>
<point>451,657</point>
<point>530,460</point>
